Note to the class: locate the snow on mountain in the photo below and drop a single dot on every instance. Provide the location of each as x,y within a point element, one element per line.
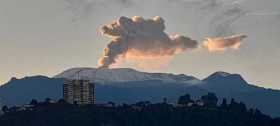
<point>103,75</point>
<point>219,74</point>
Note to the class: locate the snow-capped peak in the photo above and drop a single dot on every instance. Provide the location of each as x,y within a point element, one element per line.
<point>122,75</point>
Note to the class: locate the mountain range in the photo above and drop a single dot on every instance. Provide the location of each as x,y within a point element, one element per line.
<point>125,85</point>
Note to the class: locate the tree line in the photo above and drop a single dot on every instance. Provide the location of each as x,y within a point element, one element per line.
<point>186,112</point>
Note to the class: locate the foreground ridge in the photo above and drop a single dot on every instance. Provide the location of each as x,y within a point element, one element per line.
<point>187,111</point>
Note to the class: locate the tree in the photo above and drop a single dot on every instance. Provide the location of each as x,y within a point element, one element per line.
<point>48,100</point>
<point>237,107</point>
<point>224,104</point>
<point>232,101</point>
<point>242,107</point>
<point>111,103</point>
<point>184,100</point>
<point>165,100</point>
<point>233,106</point>
<point>61,101</point>
<point>5,109</point>
<point>34,102</point>
<point>210,100</point>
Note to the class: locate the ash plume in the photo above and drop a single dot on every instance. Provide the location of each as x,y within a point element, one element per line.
<point>222,43</point>
<point>139,37</point>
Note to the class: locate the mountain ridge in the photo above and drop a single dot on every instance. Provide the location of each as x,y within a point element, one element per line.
<point>137,86</point>
<point>122,75</point>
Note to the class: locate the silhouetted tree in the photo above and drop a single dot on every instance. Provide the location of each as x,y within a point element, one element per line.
<point>232,101</point>
<point>251,111</point>
<point>234,106</point>
<point>5,109</point>
<point>47,100</point>
<point>148,114</point>
<point>242,107</point>
<point>142,103</point>
<point>165,100</point>
<point>61,101</point>
<point>111,103</point>
<point>33,102</point>
<point>258,112</point>
<point>224,104</point>
<point>184,100</point>
<point>210,100</point>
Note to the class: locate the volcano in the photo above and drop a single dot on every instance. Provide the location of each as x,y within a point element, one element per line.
<point>125,85</point>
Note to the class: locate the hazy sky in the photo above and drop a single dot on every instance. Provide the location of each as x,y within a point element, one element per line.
<point>48,36</point>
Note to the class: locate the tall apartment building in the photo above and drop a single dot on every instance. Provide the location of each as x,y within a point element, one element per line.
<point>78,92</point>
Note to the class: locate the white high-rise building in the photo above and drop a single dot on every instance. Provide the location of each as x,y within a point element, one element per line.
<point>78,92</point>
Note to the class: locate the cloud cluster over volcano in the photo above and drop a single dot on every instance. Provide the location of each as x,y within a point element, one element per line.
<point>140,40</point>
<point>139,37</point>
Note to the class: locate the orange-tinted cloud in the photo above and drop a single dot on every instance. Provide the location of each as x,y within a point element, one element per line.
<point>222,43</point>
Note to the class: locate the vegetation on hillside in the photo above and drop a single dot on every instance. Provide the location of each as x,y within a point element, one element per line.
<point>187,112</point>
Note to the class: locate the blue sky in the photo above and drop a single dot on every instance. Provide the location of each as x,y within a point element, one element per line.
<point>47,37</point>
